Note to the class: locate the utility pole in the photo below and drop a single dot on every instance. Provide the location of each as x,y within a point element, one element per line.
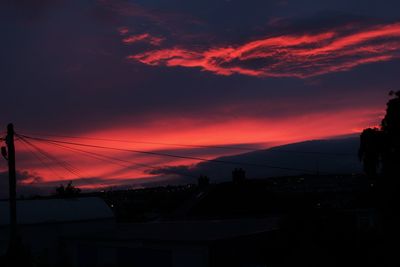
<point>12,185</point>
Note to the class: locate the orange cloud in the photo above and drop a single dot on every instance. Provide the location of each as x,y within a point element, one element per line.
<point>300,56</point>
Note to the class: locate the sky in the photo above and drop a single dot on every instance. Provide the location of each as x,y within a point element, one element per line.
<point>244,74</point>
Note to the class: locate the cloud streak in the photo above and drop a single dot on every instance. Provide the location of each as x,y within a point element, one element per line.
<point>301,56</point>
<point>145,37</point>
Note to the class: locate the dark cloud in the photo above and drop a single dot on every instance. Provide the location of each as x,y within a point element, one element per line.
<point>297,159</point>
<point>173,170</point>
<point>28,183</point>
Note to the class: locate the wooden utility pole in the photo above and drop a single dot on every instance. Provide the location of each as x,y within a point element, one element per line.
<point>12,184</point>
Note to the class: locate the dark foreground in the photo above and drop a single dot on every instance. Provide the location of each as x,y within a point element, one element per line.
<point>292,221</point>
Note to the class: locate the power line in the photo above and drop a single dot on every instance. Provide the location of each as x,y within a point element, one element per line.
<point>174,156</point>
<point>62,164</point>
<point>32,151</point>
<point>75,172</point>
<point>88,154</point>
<point>145,142</point>
<point>275,150</point>
<point>107,158</point>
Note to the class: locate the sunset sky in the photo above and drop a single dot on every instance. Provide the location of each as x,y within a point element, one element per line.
<point>156,74</point>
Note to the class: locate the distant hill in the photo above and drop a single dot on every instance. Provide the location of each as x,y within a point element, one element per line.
<point>336,156</point>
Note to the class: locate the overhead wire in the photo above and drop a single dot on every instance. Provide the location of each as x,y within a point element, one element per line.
<point>176,156</point>
<point>76,172</point>
<point>278,150</point>
<point>65,165</point>
<point>114,160</point>
<point>44,164</point>
<point>144,142</point>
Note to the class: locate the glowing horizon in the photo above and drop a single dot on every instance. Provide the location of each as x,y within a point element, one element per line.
<point>259,133</point>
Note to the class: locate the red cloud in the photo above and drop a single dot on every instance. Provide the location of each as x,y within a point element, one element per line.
<point>241,130</point>
<point>145,37</point>
<point>298,56</point>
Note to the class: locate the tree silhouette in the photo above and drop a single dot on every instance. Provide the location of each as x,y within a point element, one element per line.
<point>391,135</point>
<point>67,191</point>
<point>381,147</point>
<point>370,150</point>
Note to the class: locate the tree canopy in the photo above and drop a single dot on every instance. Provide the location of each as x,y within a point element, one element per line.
<point>380,147</point>
<point>67,191</point>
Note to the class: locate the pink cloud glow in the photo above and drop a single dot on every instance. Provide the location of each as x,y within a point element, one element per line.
<point>300,56</point>
<point>145,37</point>
<point>240,130</point>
